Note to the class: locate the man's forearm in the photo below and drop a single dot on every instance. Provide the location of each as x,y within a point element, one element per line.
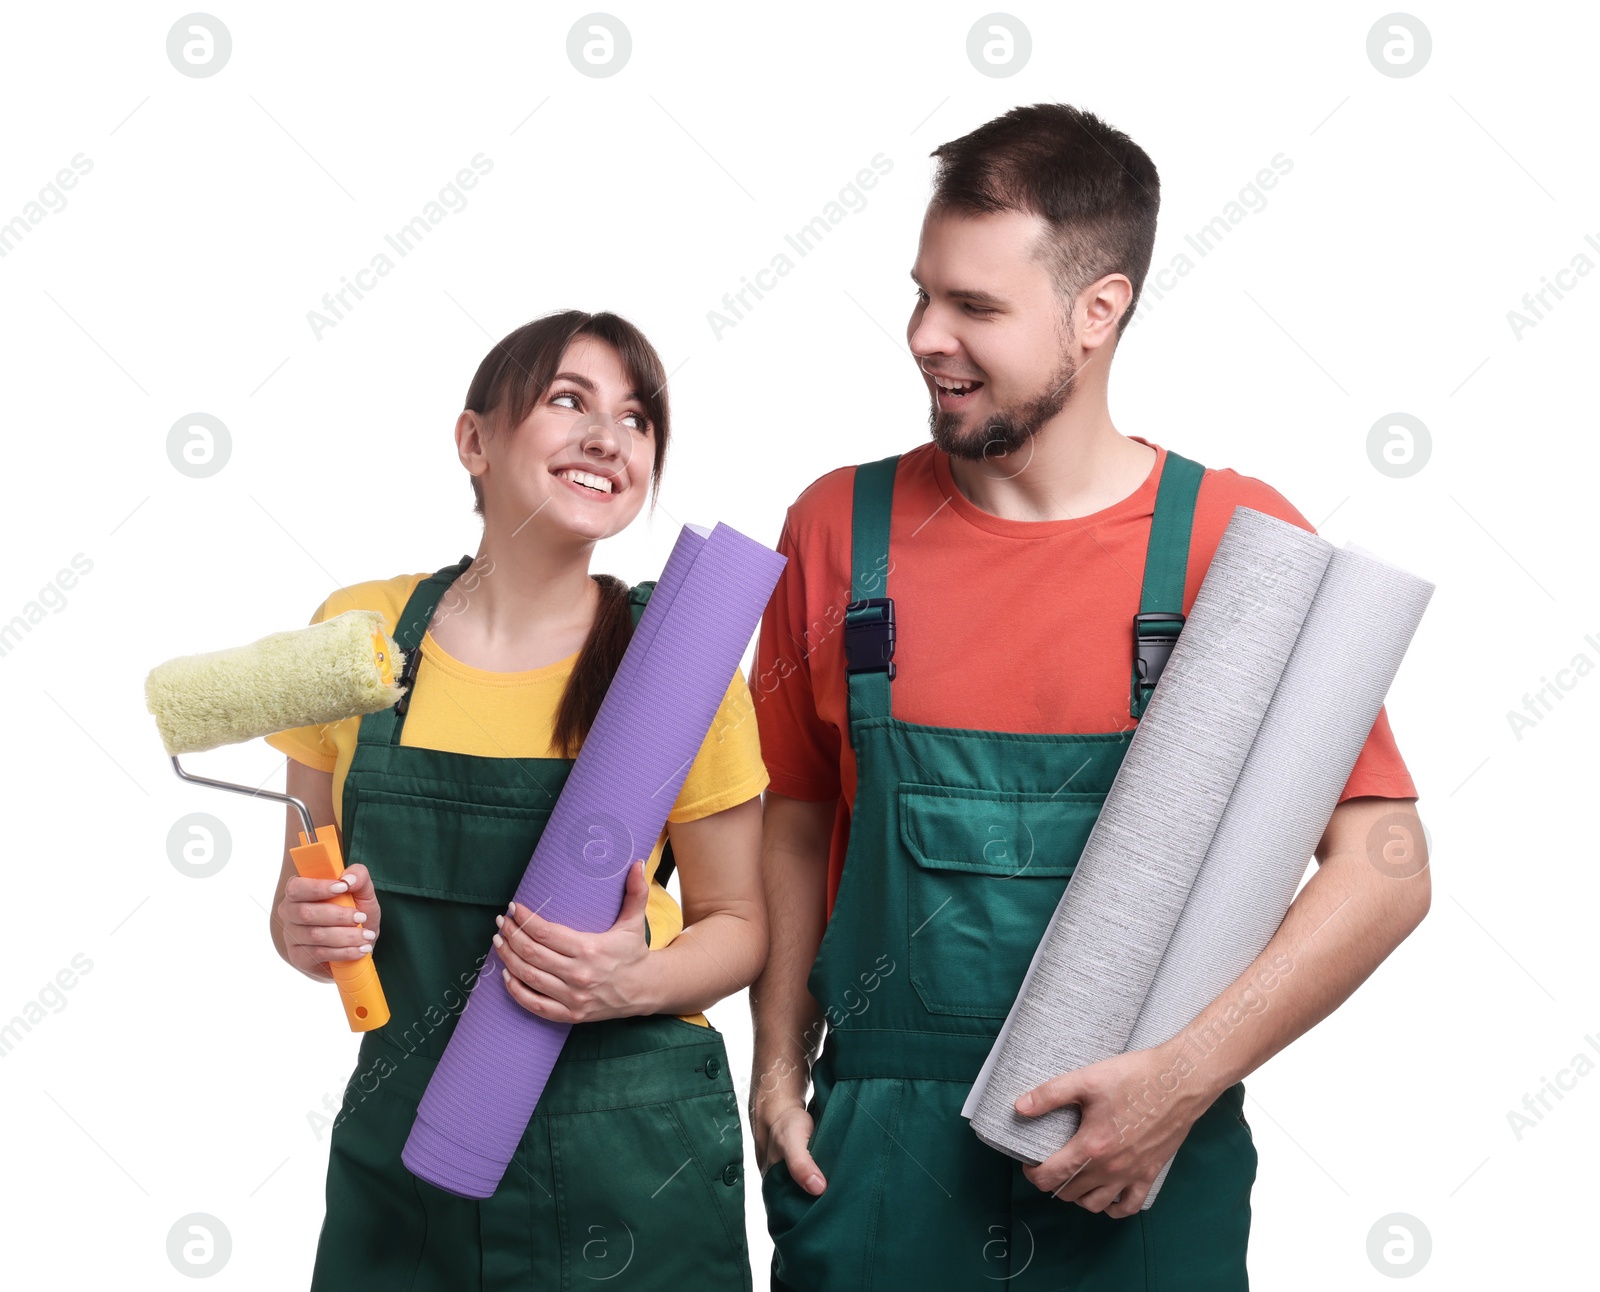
<point>788,1034</point>
<point>1341,927</point>
<point>787,1020</point>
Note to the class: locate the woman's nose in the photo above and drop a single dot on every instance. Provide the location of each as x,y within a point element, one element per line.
<point>598,440</point>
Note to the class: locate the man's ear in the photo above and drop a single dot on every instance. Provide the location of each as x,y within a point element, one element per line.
<point>1100,305</point>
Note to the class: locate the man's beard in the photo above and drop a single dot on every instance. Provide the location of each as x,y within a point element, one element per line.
<point>1005,430</point>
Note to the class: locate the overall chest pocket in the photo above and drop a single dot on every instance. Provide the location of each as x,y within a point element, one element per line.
<point>445,860</point>
<point>989,868</point>
<point>445,847</point>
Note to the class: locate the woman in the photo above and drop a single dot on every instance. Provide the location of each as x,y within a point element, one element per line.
<point>632,1165</point>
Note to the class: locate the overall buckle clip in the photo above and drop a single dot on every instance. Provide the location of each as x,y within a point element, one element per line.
<point>407,679</point>
<point>1154,635</point>
<point>869,636</point>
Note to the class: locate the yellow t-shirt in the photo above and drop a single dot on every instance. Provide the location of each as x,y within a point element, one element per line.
<point>465,710</point>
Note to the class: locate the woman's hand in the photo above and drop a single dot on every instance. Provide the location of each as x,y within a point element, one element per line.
<point>566,976</point>
<point>317,931</point>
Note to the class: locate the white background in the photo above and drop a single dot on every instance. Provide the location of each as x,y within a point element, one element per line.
<point>178,1073</point>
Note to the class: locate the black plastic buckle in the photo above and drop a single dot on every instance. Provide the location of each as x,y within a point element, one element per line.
<point>869,636</point>
<point>408,679</point>
<point>1154,636</point>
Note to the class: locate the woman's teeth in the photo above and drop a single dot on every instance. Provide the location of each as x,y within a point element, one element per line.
<point>598,483</point>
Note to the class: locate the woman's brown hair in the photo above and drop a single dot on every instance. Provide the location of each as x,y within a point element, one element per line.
<point>511,379</point>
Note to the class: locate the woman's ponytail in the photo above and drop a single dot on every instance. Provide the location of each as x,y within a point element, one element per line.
<point>597,664</point>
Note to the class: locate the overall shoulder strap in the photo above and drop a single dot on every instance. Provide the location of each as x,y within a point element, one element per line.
<point>638,599</point>
<point>384,726</point>
<point>1166,567</point>
<point>869,616</point>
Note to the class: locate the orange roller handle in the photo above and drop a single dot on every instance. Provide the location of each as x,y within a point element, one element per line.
<point>358,983</point>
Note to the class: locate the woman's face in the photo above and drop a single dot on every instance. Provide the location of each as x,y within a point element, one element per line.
<point>579,464</point>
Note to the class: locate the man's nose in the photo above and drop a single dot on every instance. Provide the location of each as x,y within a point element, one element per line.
<point>928,341</point>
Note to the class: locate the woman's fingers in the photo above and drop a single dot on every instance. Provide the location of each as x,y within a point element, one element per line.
<point>329,935</point>
<point>530,975</point>
<point>317,951</point>
<point>361,889</point>
<point>318,931</point>
<point>521,942</point>
<point>536,1002</point>
<point>300,889</point>
<point>559,938</point>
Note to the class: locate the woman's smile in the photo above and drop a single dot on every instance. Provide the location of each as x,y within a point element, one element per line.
<point>590,484</point>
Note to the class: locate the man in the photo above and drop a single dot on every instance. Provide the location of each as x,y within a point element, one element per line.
<point>987,661</point>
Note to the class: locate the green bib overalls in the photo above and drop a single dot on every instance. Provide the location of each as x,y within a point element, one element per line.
<point>631,1167</point>
<point>961,843</point>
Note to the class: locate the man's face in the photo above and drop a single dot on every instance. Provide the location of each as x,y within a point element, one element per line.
<point>988,321</point>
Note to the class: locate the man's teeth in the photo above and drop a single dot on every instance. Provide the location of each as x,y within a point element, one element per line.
<point>599,483</point>
<point>957,387</point>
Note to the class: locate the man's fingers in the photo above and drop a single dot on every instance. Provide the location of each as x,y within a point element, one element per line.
<point>793,1138</point>
<point>1099,1199</point>
<point>1057,1092</point>
<point>804,1170</point>
<point>1057,1172</point>
<point>1133,1196</point>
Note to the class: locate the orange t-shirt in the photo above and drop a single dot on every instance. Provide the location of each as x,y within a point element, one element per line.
<point>1001,625</point>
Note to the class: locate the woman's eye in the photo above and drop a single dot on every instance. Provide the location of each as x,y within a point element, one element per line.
<point>566,394</point>
<point>640,422</point>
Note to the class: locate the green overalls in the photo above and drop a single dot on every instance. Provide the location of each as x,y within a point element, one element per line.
<point>631,1168</point>
<point>961,843</point>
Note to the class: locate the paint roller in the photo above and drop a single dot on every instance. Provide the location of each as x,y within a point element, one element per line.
<point>341,668</point>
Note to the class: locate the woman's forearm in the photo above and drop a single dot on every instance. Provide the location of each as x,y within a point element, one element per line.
<point>717,955</point>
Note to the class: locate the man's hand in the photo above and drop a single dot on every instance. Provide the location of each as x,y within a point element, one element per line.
<point>1130,1126</point>
<point>567,976</point>
<point>788,1024</point>
<point>784,1134</point>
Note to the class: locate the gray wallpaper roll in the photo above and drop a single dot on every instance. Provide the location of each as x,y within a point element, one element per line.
<point>1362,620</point>
<point>1099,955</point>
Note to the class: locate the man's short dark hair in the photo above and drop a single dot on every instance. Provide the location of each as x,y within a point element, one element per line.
<point>1096,188</point>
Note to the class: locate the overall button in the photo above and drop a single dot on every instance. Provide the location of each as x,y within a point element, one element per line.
<point>730,1173</point>
<point>713,1068</point>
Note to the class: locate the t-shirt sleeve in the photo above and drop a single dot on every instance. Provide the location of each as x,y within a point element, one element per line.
<point>311,745</point>
<point>800,747</point>
<point>1379,770</point>
<point>728,769</point>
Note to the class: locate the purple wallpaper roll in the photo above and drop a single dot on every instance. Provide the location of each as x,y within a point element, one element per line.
<point>650,726</point>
